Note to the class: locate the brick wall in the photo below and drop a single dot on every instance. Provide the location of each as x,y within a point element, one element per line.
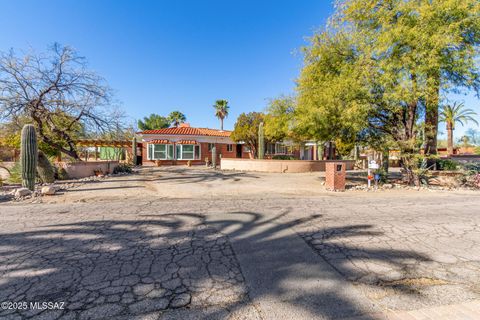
<point>281,166</point>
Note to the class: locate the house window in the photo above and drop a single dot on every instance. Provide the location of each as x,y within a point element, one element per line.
<point>188,152</point>
<point>160,151</point>
<point>210,146</point>
<point>270,148</point>
<point>280,149</point>
<point>229,147</point>
<point>246,149</point>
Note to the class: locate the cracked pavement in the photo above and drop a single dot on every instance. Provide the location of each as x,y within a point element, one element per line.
<point>149,252</point>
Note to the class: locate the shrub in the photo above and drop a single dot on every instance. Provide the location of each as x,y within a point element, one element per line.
<point>383,175</point>
<point>61,174</point>
<point>447,164</point>
<point>283,157</point>
<point>15,173</point>
<point>122,168</point>
<point>472,167</point>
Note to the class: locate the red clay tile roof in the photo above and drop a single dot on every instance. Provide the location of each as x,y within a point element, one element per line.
<point>189,131</point>
<point>187,142</point>
<point>163,141</point>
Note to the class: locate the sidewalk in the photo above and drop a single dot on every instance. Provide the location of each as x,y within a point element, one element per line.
<point>461,311</point>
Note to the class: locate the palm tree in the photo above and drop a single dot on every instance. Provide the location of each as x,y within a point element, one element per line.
<point>154,121</point>
<point>221,110</point>
<point>450,114</point>
<point>176,117</point>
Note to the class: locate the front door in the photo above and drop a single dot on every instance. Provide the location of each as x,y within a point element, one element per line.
<point>239,150</point>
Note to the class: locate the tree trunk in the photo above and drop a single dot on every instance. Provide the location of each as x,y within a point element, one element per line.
<point>221,124</point>
<point>385,159</point>
<point>72,152</point>
<point>450,139</point>
<point>431,113</point>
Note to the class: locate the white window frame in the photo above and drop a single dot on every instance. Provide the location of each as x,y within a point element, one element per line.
<point>229,147</point>
<point>179,151</point>
<point>169,151</point>
<point>281,148</point>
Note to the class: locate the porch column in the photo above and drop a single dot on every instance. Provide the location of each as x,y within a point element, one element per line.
<point>315,153</point>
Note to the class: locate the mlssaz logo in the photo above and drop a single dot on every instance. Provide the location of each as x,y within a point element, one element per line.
<point>47,305</point>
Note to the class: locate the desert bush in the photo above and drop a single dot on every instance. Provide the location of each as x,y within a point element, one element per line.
<point>471,167</point>
<point>383,175</point>
<point>283,157</point>
<point>447,164</point>
<point>15,173</point>
<point>61,174</point>
<point>122,168</point>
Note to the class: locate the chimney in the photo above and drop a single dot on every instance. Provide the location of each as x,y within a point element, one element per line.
<point>184,125</point>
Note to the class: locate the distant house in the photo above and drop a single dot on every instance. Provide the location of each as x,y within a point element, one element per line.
<point>181,144</point>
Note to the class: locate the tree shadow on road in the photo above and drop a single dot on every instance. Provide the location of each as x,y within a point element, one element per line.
<point>166,264</point>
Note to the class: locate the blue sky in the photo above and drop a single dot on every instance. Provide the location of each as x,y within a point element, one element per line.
<point>161,56</point>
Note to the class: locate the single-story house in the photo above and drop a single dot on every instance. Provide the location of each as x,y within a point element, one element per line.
<point>178,145</point>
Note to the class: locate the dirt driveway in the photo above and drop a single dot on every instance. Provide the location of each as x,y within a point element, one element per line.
<point>182,243</point>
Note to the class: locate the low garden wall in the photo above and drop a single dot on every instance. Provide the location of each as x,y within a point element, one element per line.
<point>82,169</point>
<point>282,166</point>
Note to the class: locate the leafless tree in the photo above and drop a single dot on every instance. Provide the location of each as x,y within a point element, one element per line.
<point>57,92</point>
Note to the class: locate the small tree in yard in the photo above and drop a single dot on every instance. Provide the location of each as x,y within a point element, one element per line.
<point>246,129</point>
<point>56,93</point>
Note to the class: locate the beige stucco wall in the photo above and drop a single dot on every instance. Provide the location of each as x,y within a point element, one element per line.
<point>286,166</point>
<point>85,169</point>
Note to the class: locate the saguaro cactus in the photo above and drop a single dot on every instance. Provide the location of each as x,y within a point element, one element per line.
<point>261,142</point>
<point>29,156</point>
<point>134,151</point>
<point>214,157</point>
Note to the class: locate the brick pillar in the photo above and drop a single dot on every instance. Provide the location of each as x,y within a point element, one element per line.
<point>335,173</point>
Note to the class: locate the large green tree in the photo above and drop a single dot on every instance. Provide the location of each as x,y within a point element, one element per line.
<point>377,71</point>
<point>438,38</point>
<point>280,119</point>
<point>246,129</point>
<point>333,96</point>
<point>153,121</point>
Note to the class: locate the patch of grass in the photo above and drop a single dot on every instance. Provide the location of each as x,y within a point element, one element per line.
<point>15,173</point>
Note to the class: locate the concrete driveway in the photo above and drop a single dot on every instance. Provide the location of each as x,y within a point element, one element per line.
<point>150,246</point>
